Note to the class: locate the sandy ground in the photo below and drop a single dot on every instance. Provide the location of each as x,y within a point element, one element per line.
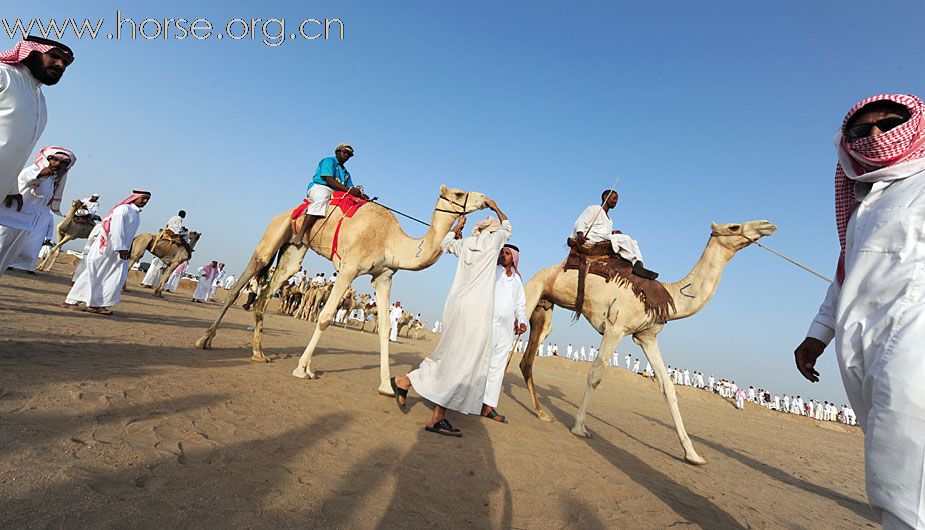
<point>118,421</point>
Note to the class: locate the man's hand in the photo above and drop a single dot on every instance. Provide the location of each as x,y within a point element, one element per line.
<point>47,171</point>
<point>581,238</point>
<point>10,199</point>
<point>124,254</point>
<point>806,354</point>
<point>520,329</point>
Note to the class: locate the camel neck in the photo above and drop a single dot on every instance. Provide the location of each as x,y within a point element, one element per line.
<point>413,254</point>
<point>697,288</point>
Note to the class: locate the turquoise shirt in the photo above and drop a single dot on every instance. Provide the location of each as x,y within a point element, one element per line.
<point>330,167</point>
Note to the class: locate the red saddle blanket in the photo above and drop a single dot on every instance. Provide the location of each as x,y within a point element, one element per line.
<point>347,203</point>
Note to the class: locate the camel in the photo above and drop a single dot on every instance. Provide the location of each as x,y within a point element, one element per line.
<point>69,229</point>
<point>359,303</point>
<point>368,310</point>
<point>370,243</point>
<point>615,312</point>
<point>170,252</point>
<point>320,298</point>
<point>347,303</point>
<point>415,330</point>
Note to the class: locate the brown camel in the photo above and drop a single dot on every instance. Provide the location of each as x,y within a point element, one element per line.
<point>69,229</point>
<point>371,242</point>
<point>615,312</point>
<point>169,251</point>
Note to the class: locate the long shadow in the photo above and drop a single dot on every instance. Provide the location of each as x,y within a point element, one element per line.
<point>225,486</point>
<point>859,507</point>
<point>579,515</point>
<point>437,465</point>
<point>684,501</point>
<point>36,429</point>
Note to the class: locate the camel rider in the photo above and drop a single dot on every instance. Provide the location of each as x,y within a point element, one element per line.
<point>175,225</point>
<point>330,176</point>
<point>89,209</point>
<point>595,225</point>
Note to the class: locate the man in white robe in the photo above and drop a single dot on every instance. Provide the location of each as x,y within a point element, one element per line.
<point>89,207</point>
<point>636,366</point>
<point>508,322</point>
<point>217,282</point>
<point>100,284</point>
<point>454,376</point>
<point>594,225</point>
<point>228,283</point>
<point>174,280</point>
<point>395,313</point>
<point>175,223</point>
<point>31,249</point>
<point>687,378</point>
<point>875,309</point>
<point>155,271</point>
<point>40,186</point>
<point>569,352</point>
<point>626,361</point>
<point>33,62</point>
<point>207,275</point>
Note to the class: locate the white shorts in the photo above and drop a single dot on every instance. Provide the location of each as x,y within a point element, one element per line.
<point>321,197</point>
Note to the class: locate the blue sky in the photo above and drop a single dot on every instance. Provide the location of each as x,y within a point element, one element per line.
<point>718,111</point>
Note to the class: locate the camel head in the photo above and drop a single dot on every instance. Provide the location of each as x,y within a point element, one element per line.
<point>453,200</point>
<point>194,238</point>
<point>736,236</point>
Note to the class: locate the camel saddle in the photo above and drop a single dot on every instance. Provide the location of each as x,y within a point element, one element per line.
<point>170,236</point>
<point>348,205</point>
<point>600,259</point>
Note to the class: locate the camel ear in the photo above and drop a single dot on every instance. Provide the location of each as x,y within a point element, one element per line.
<point>442,189</point>
<point>714,226</point>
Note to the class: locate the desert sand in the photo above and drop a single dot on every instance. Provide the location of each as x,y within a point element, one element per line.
<point>119,422</point>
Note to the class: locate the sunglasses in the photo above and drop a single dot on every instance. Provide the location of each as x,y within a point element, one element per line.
<point>862,130</point>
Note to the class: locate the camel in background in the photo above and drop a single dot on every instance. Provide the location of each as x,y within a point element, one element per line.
<point>167,248</point>
<point>69,229</point>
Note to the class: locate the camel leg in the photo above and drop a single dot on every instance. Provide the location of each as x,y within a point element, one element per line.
<point>612,337</point>
<point>649,343</point>
<point>159,289</point>
<point>49,260</point>
<point>290,261</point>
<point>344,278</point>
<point>383,286</point>
<point>539,318</point>
<point>254,265</point>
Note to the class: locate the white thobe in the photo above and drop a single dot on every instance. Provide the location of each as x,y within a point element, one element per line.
<point>22,120</point>
<point>636,366</point>
<point>204,285</point>
<point>687,378</point>
<point>510,310</point>
<point>877,319</point>
<point>394,317</point>
<point>100,283</point>
<point>31,250</point>
<point>36,195</point>
<point>598,226</point>
<point>88,207</point>
<point>216,283</point>
<point>454,376</point>
<point>155,270</point>
<point>568,351</point>
<point>174,281</point>
<point>627,361</point>
<point>175,224</point>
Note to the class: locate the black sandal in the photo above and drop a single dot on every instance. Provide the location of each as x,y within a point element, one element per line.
<point>443,427</point>
<point>493,415</point>
<point>399,393</point>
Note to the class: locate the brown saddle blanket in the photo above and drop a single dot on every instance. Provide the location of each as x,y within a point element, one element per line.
<point>168,235</point>
<point>599,259</point>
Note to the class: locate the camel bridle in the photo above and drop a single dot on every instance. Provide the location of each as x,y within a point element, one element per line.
<point>454,203</point>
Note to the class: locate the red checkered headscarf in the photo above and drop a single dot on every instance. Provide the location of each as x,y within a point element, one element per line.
<point>867,155</point>
<point>41,161</point>
<point>107,221</point>
<point>33,44</point>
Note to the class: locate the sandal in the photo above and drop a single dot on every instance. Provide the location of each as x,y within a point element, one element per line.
<point>98,310</point>
<point>65,305</point>
<point>493,415</point>
<point>399,393</point>
<point>443,427</point>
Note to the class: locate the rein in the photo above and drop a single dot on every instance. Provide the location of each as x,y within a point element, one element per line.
<point>778,254</point>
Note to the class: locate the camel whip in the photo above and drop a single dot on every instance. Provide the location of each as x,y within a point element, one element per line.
<point>510,354</point>
<point>612,191</point>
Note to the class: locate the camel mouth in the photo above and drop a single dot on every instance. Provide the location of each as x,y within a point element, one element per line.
<point>765,228</point>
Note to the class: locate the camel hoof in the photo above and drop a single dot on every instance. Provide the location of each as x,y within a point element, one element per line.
<point>259,358</point>
<point>303,373</point>
<point>581,432</point>
<point>204,343</point>
<point>695,459</point>
<point>386,389</point>
<point>541,414</point>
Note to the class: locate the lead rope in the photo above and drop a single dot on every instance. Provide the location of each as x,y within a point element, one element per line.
<point>797,263</point>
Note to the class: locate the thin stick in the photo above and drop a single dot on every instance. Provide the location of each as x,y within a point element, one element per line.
<point>510,354</point>
<point>800,265</point>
